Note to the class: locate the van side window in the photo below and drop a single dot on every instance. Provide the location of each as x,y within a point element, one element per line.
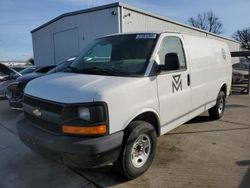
<point>172,45</point>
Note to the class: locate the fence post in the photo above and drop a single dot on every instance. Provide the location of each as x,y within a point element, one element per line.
<point>248,84</point>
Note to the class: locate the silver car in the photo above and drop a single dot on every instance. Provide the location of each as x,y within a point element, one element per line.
<point>240,73</point>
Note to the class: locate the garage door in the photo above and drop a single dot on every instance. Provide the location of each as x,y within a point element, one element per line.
<point>66,44</point>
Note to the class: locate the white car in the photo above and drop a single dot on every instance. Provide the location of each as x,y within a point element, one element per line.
<point>120,94</point>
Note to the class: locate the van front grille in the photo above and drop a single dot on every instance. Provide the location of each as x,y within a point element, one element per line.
<point>43,124</point>
<point>43,104</point>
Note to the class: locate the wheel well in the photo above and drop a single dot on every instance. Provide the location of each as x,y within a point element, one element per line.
<point>151,118</point>
<point>224,89</point>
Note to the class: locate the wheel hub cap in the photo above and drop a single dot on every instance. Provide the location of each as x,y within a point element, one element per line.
<point>221,105</point>
<point>141,150</point>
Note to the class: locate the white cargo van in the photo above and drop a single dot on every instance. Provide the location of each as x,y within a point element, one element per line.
<point>120,94</point>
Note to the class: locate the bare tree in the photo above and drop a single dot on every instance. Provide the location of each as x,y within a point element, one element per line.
<point>244,37</point>
<point>207,21</point>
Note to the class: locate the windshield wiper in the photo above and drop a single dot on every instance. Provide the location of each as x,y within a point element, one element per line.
<point>95,70</point>
<point>73,69</point>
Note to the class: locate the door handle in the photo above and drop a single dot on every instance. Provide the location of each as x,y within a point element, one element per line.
<point>188,79</point>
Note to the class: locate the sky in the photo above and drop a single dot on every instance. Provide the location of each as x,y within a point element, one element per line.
<point>19,17</point>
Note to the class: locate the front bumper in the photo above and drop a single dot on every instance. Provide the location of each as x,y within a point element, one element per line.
<point>71,150</point>
<point>15,96</point>
<point>16,103</point>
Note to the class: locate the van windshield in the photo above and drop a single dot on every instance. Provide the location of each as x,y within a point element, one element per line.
<point>122,55</point>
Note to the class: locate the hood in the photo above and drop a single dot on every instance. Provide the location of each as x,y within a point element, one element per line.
<point>72,87</point>
<point>26,78</point>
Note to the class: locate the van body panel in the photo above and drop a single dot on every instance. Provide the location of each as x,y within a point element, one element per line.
<point>174,95</point>
<point>210,63</point>
<point>71,88</point>
<point>129,99</point>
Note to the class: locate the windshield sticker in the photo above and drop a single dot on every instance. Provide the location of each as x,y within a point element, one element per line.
<point>146,36</point>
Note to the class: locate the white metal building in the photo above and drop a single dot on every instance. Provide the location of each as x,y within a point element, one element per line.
<point>66,35</point>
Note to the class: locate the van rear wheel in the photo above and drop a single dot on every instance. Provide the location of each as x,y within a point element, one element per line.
<point>138,149</point>
<point>217,111</point>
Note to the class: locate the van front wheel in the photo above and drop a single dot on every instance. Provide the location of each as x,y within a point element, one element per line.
<point>217,111</point>
<point>138,149</point>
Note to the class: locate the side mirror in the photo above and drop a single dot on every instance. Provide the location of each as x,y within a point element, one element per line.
<point>171,63</point>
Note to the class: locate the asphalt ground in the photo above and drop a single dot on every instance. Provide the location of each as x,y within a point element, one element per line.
<point>199,153</point>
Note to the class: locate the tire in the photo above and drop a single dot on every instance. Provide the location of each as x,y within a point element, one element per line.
<point>138,149</point>
<point>217,111</point>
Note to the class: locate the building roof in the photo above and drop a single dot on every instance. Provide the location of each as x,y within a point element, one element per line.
<point>119,4</point>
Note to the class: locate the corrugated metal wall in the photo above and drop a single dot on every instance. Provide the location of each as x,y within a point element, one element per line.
<point>56,41</point>
<point>137,21</point>
<point>88,26</point>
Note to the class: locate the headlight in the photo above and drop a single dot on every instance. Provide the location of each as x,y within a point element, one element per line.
<point>84,113</point>
<point>9,90</point>
<point>93,114</point>
<point>88,119</point>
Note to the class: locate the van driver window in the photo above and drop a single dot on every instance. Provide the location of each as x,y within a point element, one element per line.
<point>172,45</point>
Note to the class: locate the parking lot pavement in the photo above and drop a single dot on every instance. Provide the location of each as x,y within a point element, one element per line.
<point>20,167</point>
<point>200,153</point>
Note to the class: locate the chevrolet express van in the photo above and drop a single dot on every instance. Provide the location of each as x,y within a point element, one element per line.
<point>120,94</point>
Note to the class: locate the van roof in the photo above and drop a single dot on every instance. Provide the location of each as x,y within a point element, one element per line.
<point>133,33</point>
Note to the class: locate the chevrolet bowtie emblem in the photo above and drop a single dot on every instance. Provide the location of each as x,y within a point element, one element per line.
<point>37,112</point>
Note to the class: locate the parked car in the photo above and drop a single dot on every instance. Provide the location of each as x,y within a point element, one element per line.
<point>28,70</point>
<point>240,72</point>
<point>19,68</point>
<point>7,76</point>
<point>15,90</point>
<point>123,91</point>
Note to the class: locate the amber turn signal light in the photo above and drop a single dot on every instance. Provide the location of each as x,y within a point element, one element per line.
<point>78,130</point>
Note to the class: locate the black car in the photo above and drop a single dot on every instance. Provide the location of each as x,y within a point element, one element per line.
<point>28,70</point>
<point>15,90</point>
<point>7,76</point>
<point>19,68</point>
